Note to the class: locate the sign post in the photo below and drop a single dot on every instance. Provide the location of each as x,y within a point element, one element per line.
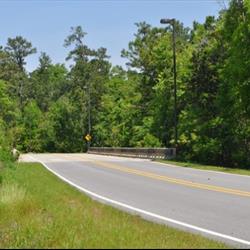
<point>88,138</point>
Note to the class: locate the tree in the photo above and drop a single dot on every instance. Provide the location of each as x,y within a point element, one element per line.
<point>7,106</point>
<point>88,74</point>
<point>64,126</point>
<point>47,83</point>
<point>119,111</point>
<point>29,128</point>
<point>151,53</point>
<point>18,49</point>
<point>199,120</point>
<point>234,97</point>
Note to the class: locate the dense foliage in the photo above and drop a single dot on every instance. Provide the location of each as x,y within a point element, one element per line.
<point>47,110</point>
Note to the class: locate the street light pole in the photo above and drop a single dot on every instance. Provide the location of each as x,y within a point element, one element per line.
<point>89,118</point>
<point>173,22</point>
<point>88,136</point>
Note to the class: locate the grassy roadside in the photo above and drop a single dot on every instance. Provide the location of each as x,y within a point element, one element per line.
<point>40,211</point>
<point>206,167</point>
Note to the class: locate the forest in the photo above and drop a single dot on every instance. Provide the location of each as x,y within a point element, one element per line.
<point>47,110</point>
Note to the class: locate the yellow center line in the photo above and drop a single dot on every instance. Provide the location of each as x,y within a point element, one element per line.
<point>168,179</point>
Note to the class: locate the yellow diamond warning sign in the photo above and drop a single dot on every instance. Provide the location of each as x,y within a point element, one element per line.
<point>88,137</point>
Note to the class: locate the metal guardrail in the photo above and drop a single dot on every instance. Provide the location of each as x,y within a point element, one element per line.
<point>148,153</point>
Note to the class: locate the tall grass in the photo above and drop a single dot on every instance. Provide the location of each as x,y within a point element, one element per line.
<point>11,193</point>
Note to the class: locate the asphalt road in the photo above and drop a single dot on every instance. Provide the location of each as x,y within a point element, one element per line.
<point>213,204</point>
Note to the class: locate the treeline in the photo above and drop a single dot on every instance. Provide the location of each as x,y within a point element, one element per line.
<point>47,110</point>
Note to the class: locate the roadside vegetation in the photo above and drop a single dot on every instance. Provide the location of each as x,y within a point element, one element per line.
<point>206,167</point>
<point>40,211</point>
<point>46,110</point>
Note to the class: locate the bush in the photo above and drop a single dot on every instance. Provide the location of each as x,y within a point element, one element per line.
<point>6,157</point>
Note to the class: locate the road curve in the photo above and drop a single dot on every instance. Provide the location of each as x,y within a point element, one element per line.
<point>213,204</point>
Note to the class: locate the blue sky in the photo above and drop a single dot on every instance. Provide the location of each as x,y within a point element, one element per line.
<point>109,23</point>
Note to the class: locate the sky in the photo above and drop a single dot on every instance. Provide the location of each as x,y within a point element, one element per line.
<point>108,23</point>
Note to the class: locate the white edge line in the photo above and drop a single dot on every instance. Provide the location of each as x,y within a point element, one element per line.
<point>140,211</point>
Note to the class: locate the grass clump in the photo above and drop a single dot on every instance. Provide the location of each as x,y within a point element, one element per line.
<point>11,193</point>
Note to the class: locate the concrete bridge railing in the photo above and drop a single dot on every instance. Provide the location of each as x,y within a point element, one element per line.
<point>147,153</point>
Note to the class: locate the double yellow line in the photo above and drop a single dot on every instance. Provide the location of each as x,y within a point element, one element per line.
<point>165,178</point>
<point>173,180</point>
